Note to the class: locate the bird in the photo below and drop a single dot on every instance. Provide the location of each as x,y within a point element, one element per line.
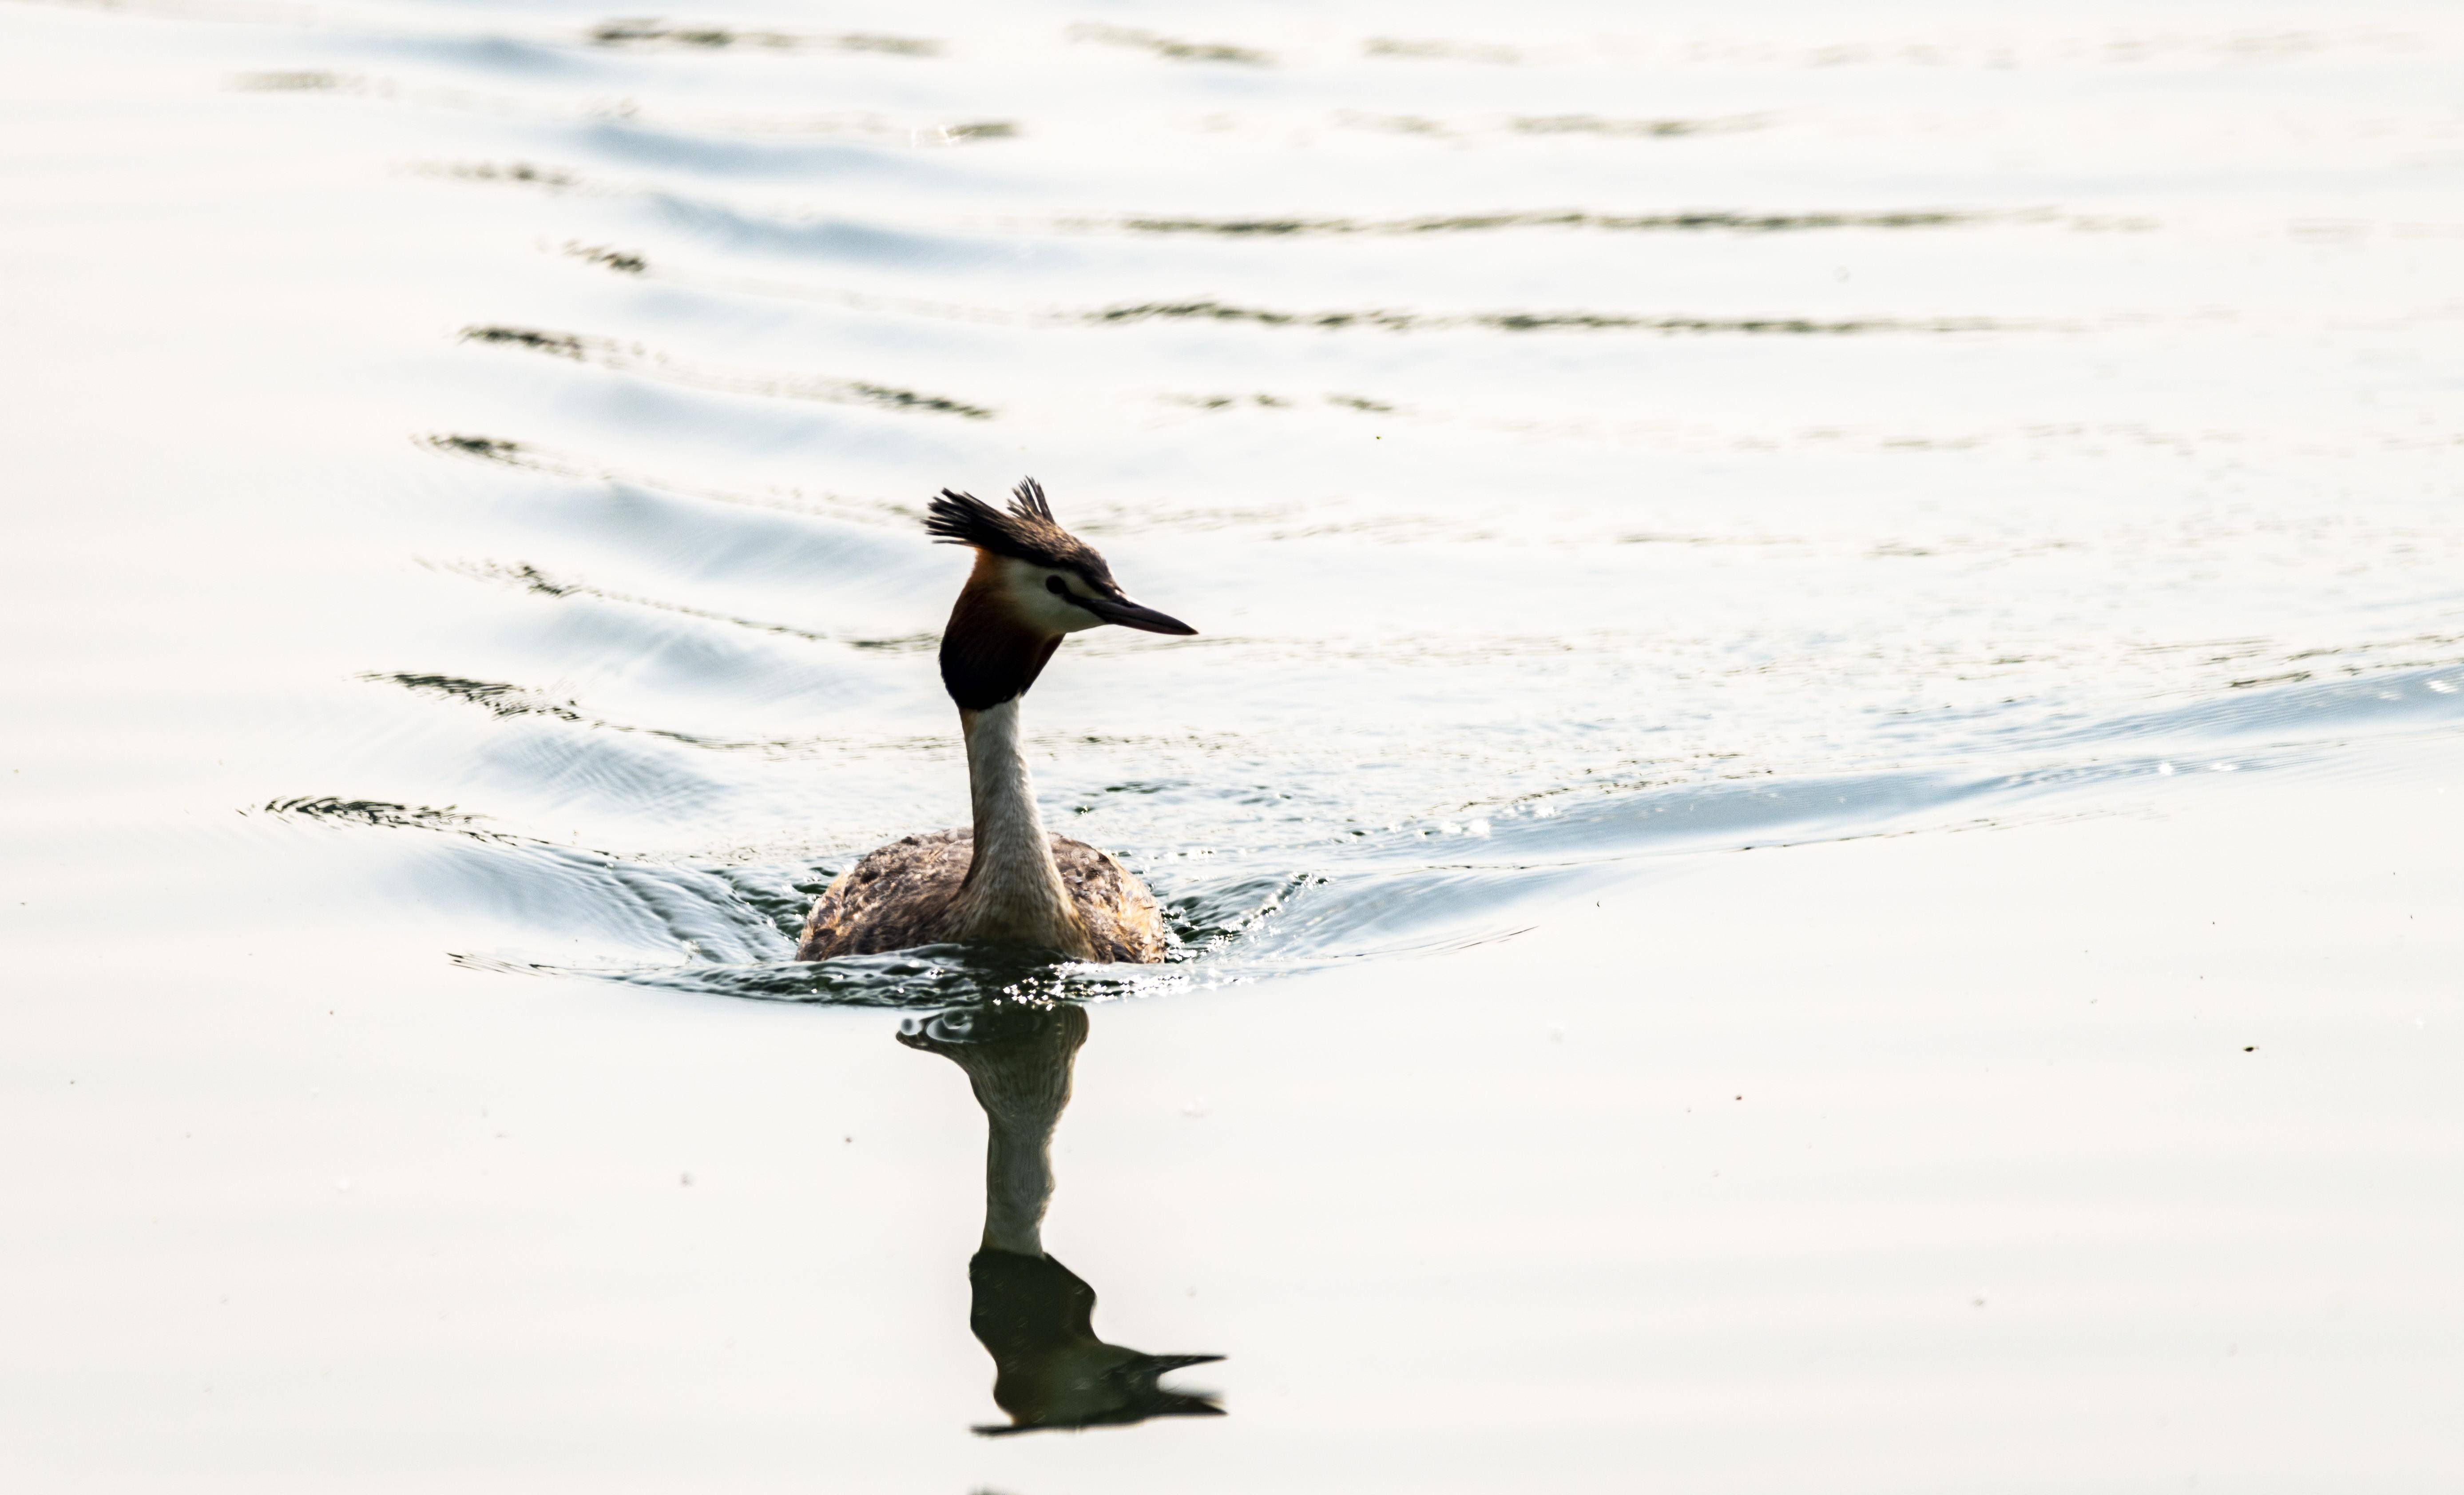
<point>1004,880</point>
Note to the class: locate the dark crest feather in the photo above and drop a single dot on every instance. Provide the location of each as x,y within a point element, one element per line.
<point>1026,531</point>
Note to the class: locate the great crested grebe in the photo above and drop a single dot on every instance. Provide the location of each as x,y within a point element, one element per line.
<point>1006,880</point>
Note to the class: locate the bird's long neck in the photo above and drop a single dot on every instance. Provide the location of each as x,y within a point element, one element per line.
<point>1014,893</point>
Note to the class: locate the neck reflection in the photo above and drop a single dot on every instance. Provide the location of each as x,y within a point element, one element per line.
<point>1033,1314</point>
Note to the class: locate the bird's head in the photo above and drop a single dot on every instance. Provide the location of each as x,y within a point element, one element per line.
<point>1034,584</point>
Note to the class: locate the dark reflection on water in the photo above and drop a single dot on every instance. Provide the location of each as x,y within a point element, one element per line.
<point>1035,1316</point>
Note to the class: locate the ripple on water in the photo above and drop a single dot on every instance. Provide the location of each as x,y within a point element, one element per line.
<point>634,358</point>
<point>822,237</point>
<point>634,34</point>
<point>728,929</point>
<point>1288,378</point>
<point>721,154</point>
<point>1731,221</point>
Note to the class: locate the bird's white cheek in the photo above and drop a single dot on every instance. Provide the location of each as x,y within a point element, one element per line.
<point>1070,618</point>
<point>1056,613</point>
<point>1029,596</point>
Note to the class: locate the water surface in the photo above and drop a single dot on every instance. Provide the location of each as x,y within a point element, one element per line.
<point>469,486</point>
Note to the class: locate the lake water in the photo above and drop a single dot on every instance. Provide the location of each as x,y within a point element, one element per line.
<point>467,593</point>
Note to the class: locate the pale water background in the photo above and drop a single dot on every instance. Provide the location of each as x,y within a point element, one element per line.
<point>465,593</point>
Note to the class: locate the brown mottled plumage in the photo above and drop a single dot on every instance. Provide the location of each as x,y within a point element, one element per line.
<point>1006,880</point>
<point>900,896</point>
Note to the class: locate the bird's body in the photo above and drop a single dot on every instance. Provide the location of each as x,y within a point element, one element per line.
<point>906,893</point>
<point>1006,880</point>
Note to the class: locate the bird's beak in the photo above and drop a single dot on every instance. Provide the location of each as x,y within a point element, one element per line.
<point>1129,615</point>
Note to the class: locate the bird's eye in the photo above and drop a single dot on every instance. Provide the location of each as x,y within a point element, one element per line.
<point>1056,587</point>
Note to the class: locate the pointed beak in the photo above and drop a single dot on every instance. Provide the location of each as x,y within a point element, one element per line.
<point>1129,615</point>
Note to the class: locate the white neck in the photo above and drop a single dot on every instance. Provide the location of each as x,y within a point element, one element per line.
<point>1014,893</point>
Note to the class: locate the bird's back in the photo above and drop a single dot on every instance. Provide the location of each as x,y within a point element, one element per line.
<point>906,894</point>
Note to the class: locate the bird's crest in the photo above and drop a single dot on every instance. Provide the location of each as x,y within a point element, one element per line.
<point>1025,531</point>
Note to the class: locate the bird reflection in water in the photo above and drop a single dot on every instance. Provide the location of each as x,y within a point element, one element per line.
<point>1034,1314</point>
